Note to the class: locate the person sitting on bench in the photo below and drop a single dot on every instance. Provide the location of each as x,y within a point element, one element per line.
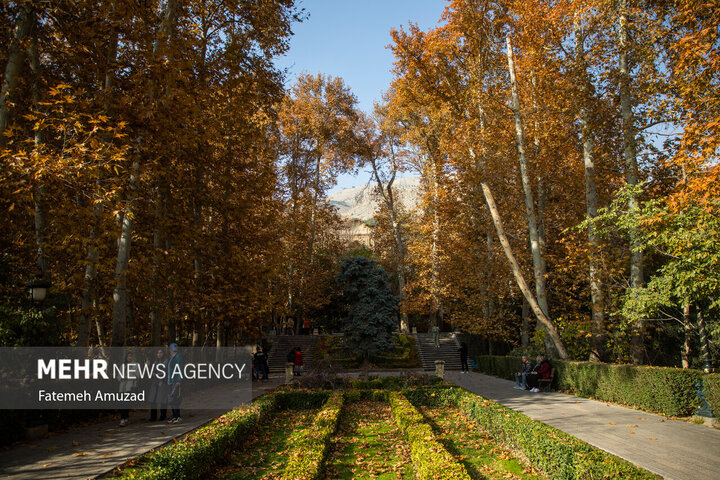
<point>541,370</point>
<point>520,377</point>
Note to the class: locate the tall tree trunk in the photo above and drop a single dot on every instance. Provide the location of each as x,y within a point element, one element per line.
<point>39,198</point>
<point>631,172</point>
<point>596,287</point>
<point>539,314</point>
<point>386,192</point>
<point>525,328</point>
<point>538,260</point>
<point>687,330</point>
<point>704,340</point>
<point>434,257</point>
<point>13,68</point>
<point>159,246</point>
<point>120,296</point>
<point>88,311</point>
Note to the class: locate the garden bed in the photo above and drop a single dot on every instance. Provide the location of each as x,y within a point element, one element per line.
<point>474,447</point>
<point>368,444</point>
<point>264,454</point>
<point>395,431</point>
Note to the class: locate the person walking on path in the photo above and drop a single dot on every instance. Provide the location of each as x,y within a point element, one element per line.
<point>261,364</point>
<point>541,370</point>
<point>521,376</point>
<point>127,385</point>
<point>436,335</point>
<point>174,377</point>
<point>157,396</point>
<point>464,357</point>
<point>298,362</point>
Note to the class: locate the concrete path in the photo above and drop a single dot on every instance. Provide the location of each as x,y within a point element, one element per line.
<point>674,449</point>
<point>92,451</point>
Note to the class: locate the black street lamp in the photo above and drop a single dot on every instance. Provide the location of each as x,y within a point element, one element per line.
<point>38,289</point>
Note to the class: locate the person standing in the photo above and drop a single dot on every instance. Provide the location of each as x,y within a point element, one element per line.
<point>158,394</point>
<point>298,362</point>
<point>436,335</point>
<point>464,357</point>
<point>174,380</point>
<point>261,364</point>
<point>521,376</point>
<point>128,384</point>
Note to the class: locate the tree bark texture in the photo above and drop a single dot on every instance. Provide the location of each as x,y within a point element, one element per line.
<point>386,192</point>
<point>13,68</point>
<point>631,171</point>
<point>596,287</point>
<point>517,273</point>
<point>535,247</point>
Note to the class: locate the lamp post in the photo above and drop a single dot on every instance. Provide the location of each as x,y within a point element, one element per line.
<point>38,289</point>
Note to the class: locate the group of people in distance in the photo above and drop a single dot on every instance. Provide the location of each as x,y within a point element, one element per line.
<point>165,389</point>
<point>528,378</point>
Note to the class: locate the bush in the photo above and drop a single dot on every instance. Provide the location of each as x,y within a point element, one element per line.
<point>557,453</point>
<point>431,460</point>
<point>307,457</point>
<point>669,391</point>
<point>195,455</point>
<point>712,392</point>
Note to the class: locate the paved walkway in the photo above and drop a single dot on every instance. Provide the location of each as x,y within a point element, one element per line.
<point>92,451</point>
<point>674,449</point>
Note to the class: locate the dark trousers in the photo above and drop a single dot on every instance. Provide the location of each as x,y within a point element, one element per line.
<point>464,364</point>
<point>124,413</point>
<point>176,413</point>
<point>155,408</point>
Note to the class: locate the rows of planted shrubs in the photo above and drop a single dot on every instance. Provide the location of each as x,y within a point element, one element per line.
<point>430,458</point>
<point>197,453</point>
<point>670,391</point>
<point>558,454</point>
<point>310,450</point>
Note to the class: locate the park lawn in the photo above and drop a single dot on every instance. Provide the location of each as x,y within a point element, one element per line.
<point>474,448</point>
<point>368,444</point>
<point>264,455</point>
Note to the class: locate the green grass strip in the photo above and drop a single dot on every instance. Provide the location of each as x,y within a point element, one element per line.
<point>196,455</point>
<point>558,454</point>
<point>306,458</point>
<point>430,458</point>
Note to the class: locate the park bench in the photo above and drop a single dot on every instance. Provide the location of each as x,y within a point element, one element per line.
<point>545,384</point>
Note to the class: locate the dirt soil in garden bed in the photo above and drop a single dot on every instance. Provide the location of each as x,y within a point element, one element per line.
<point>264,455</point>
<point>368,445</point>
<point>474,448</point>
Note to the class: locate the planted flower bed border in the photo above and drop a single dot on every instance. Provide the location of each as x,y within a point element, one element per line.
<point>431,460</point>
<point>307,457</point>
<point>552,451</point>
<point>558,454</point>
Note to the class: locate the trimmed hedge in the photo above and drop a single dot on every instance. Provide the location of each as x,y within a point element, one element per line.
<point>195,455</point>
<point>669,391</point>
<point>712,392</point>
<point>558,454</point>
<point>307,457</point>
<point>430,459</point>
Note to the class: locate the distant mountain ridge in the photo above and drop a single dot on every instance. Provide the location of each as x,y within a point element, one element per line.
<point>358,202</point>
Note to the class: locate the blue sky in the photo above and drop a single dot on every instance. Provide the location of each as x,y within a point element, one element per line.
<point>348,39</point>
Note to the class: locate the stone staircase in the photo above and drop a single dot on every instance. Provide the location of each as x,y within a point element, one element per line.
<point>282,344</point>
<point>448,351</point>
